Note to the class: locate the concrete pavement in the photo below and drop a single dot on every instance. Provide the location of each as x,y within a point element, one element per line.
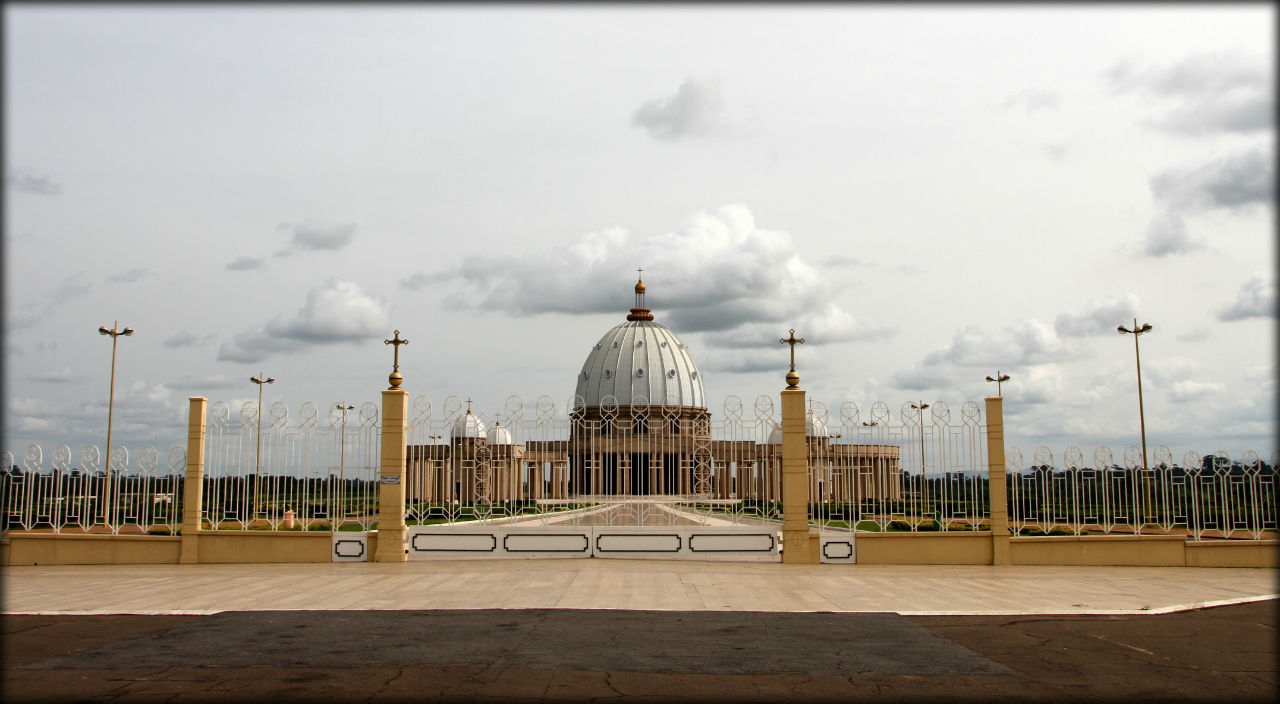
<point>639,630</point>
<point>664,585</point>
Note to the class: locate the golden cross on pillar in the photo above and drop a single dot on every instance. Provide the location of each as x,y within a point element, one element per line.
<point>793,379</point>
<point>793,342</point>
<point>395,377</point>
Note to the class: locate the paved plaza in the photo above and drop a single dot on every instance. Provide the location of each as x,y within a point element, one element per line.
<point>666,585</point>
<point>643,630</point>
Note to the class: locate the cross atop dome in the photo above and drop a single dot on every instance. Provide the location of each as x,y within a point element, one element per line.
<point>640,312</point>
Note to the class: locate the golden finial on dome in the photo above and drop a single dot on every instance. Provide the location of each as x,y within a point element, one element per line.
<point>640,312</point>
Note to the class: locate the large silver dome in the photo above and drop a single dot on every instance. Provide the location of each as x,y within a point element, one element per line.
<point>640,360</point>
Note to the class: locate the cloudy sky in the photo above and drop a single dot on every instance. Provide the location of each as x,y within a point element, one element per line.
<point>926,195</point>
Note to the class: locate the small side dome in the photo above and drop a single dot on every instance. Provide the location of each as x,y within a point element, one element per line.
<point>468,426</point>
<point>499,435</point>
<point>813,428</point>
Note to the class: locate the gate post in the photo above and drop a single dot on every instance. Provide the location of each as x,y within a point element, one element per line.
<point>193,486</point>
<point>391,528</point>
<point>795,477</point>
<point>996,482</point>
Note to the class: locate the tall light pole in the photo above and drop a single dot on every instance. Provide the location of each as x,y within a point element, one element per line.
<point>924,484</point>
<point>111,406</point>
<point>342,464</point>
<point>1142,422</point>
<point>260,379</point>
<point>999,379</point>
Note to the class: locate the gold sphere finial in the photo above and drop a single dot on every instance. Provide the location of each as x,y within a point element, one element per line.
<point>640,312</point>
<point>793,380</point>
<point>395,379</point>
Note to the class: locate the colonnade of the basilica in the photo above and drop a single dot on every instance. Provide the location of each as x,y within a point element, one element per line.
<point>470,470</point>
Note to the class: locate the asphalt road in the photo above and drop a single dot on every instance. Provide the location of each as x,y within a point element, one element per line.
<point>1220,654</point>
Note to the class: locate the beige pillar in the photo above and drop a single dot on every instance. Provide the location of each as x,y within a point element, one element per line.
<point>391,529</point>
<point>997,486</point>
<point>193,488</point>
<point>795,480</point>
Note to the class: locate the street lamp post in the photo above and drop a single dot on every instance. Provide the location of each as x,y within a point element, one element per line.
<point>1142,422</point>
<point>999,379</point>
<point>260,379</point>
<point>924,483</point>
<point>111,404</point>
<point>342,464</point>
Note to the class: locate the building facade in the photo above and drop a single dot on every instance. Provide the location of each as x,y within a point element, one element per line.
<point>638,425</point>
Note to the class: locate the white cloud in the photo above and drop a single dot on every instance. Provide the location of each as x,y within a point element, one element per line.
<point>311,235</point>
<point>1190,390</point>
<point>1181,377</point>
<point>1055,151</point>
<point>1167,234</point>
<point>71,288</point>
<point>183,338</point>
<point>58,376</point>
<point>924,379</point>
<point>334,312</point>
<point>717,273</point>
<point>694,111</point>
<point>1099,317</point>
<point>1199,334</point>
<point>314,236</point>
<point>20,180</point>
<point>246,263</point>
<point>130,276</point>
<point>190,383</point>
<point>1256,299</point>
<point>1206,93</point>
<point>418,281</point>
<point>1028,341</point>
<point>34,312</point>
<point>1031,100</point>
<point>1235,182</point>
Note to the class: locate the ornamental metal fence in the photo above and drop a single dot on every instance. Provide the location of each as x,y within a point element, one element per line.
<point>1204,497</point>
<point>135,494</point>
<point>308,474</point>
<point>550,463</point>
<point>920,472</point>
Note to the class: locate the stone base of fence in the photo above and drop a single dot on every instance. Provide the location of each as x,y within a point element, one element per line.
<point>872,548</point>
<point>243,546</point>
<point>229,546</point>
<point>924,548</point>
<point>1231,553</point>
<point>64,549</point>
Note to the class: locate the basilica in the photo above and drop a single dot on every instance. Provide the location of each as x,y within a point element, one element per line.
<point>639,425</point>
